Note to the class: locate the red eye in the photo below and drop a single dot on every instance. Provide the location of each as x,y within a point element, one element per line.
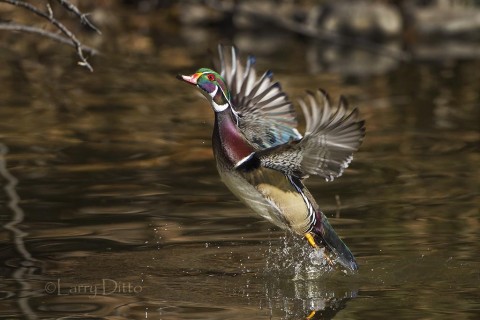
<point>210,77</point>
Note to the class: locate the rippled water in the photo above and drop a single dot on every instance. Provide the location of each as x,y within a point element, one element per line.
<point>112,207</point>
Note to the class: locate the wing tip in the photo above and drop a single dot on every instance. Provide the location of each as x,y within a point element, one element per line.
<point>324,94</point>
<point>343,103</point>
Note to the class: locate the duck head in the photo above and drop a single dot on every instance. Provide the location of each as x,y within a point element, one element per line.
<point>212,85</point>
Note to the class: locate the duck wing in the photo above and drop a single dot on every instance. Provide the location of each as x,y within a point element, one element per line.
<point>332,136</point>
<point>266,116</point>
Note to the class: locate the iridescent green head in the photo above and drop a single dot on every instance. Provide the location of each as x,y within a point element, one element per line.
<point>212,85</point>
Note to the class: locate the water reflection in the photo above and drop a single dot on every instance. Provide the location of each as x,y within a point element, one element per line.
<point>25,265</point>
<point>112,177</point>
<point>68,277</point>
<point>301,284</point>
<point>311,300</point>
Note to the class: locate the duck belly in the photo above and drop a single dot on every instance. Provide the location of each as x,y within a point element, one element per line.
<point>278,203</point>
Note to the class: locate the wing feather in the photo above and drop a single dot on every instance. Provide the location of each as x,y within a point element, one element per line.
<point>267,117</point>
<point>332,136</point>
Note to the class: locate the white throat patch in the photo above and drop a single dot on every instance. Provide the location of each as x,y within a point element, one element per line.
<point>217,107</point>
<point>214,92</point>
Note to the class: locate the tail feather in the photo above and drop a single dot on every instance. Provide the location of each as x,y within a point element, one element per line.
<point>325,235</point>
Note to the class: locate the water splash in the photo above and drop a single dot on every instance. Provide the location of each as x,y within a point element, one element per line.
<point>299,282</point>
<point>294,258</point>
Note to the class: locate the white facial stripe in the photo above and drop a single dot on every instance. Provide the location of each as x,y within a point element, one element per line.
<point>217,107</point>
<point>214,92</point>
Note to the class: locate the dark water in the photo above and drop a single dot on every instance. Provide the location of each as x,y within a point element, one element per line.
<point>112,207</point>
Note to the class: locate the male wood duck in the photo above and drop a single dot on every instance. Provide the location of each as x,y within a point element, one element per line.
<point>263,159</point>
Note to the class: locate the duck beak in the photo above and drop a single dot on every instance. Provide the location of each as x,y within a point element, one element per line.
<point>189,79</point>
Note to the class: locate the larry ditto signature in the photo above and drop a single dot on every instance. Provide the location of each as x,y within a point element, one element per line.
<point>105,288</point>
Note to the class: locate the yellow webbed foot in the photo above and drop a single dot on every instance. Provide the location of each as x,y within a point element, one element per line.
<point>311,241</point>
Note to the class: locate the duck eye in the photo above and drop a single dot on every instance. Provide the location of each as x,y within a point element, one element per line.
<point>210,77</point>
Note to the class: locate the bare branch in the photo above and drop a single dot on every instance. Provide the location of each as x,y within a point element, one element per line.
<point>50,11</point>
<point>49,16</point>
<point>11,26</point>
<point>83,17</point>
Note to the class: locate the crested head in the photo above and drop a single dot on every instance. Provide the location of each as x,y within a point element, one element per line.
<point>212,85</point>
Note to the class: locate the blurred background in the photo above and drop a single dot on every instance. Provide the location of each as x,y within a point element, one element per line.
<point>111,205</point>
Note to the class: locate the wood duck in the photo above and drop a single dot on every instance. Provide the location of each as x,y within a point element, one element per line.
<point>263,159</point>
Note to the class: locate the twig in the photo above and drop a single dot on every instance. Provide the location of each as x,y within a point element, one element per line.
<point>11,26</point>
<point>83,17</point>
<point>78,45</point>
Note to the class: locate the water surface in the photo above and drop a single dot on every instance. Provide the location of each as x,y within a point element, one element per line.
<point>112,206</point>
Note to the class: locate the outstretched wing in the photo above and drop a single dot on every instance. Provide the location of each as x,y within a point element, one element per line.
<point>332,136</point>
<point>267,117</point>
